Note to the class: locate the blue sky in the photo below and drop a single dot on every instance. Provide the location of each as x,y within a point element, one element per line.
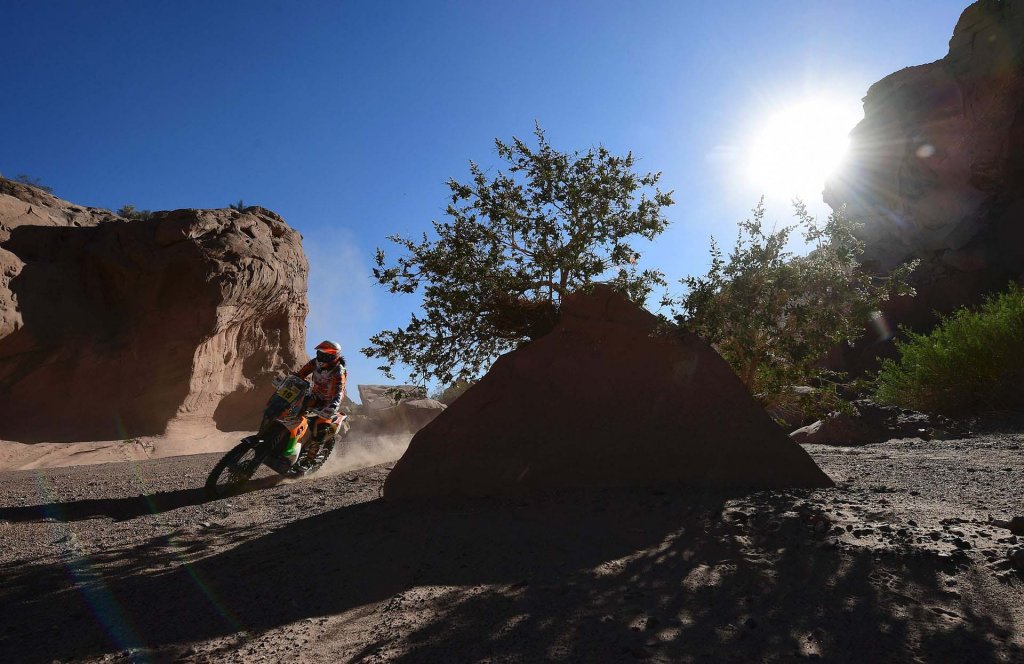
<point>347,118</point>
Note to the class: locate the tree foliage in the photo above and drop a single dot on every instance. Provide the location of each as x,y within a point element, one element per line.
<point>772,314</point>
<point>33,182</point>
<point>511,246</point>
<point>972,362</point>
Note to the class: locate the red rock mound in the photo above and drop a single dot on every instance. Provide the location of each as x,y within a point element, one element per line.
<point>112,328</point>
<point>599,402</point>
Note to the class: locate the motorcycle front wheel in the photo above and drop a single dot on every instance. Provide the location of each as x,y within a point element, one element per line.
<point>232,471</point>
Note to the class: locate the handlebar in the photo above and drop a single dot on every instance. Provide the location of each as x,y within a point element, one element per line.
<point>326,416</point>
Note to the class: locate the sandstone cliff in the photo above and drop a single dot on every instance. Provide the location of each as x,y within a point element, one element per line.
<point>936,168</point>
<point>112,328</point>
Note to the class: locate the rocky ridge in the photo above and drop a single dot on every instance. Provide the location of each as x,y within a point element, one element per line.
<point>113,328</point>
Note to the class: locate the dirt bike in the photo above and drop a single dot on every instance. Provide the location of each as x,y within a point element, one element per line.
<point>285,423</point>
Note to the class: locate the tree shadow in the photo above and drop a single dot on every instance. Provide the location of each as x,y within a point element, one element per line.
<point>661,575</point>
<point>122,509</point>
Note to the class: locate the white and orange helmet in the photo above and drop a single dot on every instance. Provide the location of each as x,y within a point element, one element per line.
<point>328,353</point>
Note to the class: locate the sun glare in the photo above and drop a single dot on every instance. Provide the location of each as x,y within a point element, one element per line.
<point>798,147</point>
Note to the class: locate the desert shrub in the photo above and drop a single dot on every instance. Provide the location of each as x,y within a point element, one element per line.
<point>128,211</point>
<point>240,206</point>
<point>772,315</point>
<point>33,182</point>
<point>971,362</point>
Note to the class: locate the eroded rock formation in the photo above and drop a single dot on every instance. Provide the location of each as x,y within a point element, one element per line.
<point>394,409</point>
<point>936,168</point>
<point>602,401</point>
<point>112,328</point>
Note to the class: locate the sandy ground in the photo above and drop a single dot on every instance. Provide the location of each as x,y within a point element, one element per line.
<point>126,562</point>
<point>180,438</point>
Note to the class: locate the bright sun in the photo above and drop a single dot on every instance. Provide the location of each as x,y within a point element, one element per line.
<point>798,147</point>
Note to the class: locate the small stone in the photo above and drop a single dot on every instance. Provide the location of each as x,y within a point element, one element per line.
<point>1016,558</point>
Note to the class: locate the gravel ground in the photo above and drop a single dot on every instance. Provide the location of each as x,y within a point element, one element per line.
<point>900,562</point>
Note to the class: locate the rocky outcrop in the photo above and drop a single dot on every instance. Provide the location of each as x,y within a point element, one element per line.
<point>936,168</point>
<point>868,422</point>
<point>112,328</point>
<point>394,409</point>
<point>600,401</point>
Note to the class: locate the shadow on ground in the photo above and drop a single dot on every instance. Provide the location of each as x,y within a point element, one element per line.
<point>121,509</point>
<point>594,577</point>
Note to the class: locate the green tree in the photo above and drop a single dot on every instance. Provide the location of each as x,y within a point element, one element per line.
<point>772,314</point>
<point>511,247</point>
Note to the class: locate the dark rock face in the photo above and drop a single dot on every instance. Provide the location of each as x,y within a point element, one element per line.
<point>112,328</point>
<point>936,168</point>
<point>602,401</point>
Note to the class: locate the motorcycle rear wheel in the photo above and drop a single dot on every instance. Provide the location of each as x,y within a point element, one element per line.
<point>232,472</point>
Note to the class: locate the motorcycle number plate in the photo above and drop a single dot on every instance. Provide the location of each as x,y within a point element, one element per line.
<point>288,393</point>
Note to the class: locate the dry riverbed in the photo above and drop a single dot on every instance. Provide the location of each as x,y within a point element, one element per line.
<point>126,562</point>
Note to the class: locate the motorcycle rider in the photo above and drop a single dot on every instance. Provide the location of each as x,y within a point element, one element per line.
<point>328,378</point>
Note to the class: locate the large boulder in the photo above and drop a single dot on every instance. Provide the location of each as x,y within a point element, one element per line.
<point>395,409</point>
<point>111,328</point>
<point>602,400</point>
<point>935,170</point>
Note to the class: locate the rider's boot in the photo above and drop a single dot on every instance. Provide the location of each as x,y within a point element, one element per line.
<point>291,452</point>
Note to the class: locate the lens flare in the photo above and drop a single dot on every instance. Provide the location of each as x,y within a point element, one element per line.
<point>84,578</point>
<point>883,330</point>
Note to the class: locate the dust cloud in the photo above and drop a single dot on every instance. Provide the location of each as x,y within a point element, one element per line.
<point>357,452</point>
